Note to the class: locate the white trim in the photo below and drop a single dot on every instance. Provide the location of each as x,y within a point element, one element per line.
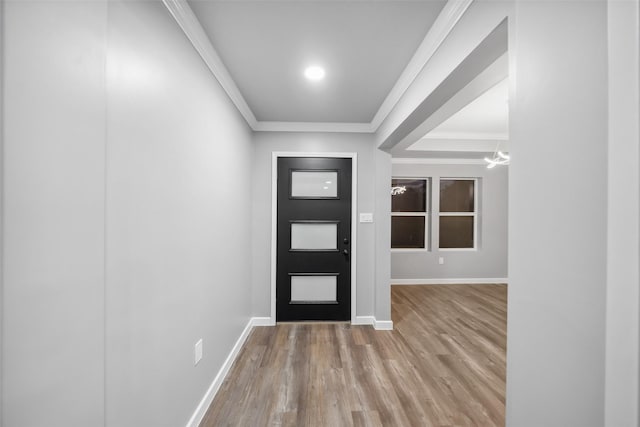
<point>364,320</point>
<point>383,325</point>
<point>274,219</point>
<point>379,325</point>
<point>442,26</point>
<point>204,404</point>
<point>188,22</point>
<point>262,321</point>
<point>484,281</point>
<point>475,136</point>
<point>313,127</point>
<point>444,23</point>
<point>422,161</point>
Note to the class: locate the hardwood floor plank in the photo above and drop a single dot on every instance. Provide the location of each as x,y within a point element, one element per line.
<point>443,365</point>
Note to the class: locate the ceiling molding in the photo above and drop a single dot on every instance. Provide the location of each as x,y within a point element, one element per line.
<point>480,136</point>
<point>444,23</point>
<point>187,20</point>
<point>432,161</point>
<point>313,127</point>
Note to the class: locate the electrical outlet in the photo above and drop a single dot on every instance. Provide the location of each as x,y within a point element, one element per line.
<point>197,351</point>
<point>441,260</point>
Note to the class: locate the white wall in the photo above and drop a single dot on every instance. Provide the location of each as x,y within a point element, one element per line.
<point>268,142</point>
<point>127,208</point>
<point>382,280</point>
<point>54,192</point>
<point>623,300</point>
<point>178,220</point>
<point>558,215</point>
<point>489,261</point>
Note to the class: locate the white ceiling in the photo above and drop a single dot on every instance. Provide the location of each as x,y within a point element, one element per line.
<point>363,45</point>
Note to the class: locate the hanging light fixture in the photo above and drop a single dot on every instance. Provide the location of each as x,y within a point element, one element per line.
<point>499,158</point>
<point>396,191</point>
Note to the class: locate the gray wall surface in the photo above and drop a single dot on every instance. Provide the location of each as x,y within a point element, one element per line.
<point>268,142</point>
<point>557,216</point>
<point>127,208</point>
<point>623,216</point>
<point>490,258</point>
<point>178,220</point>
<point>54,201</point>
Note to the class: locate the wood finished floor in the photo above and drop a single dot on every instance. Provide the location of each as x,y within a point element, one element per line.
<point>442,365</point>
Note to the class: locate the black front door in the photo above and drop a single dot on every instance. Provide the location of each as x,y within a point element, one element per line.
<point>313,274</point>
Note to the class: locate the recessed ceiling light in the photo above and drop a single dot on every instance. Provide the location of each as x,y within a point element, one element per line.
<point>314,73</point>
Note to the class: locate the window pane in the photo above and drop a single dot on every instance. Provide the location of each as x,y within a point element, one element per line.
<point>314,184</point>
<point>413,199</point>
<point>456,195</point>
<point>456,232</point>
<point>407,231</point>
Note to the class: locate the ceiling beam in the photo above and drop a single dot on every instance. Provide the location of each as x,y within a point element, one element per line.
<point>485,66</point>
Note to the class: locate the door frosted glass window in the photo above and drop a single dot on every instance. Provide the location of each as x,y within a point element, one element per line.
<point>310,184</point>
<point>313,288</point>
<point>314,236</point>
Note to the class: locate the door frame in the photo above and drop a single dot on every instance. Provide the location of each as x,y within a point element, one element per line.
<point>274,220</point>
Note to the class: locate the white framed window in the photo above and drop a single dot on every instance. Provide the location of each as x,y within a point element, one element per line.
<point>410,213</point>
<point>457,216</point>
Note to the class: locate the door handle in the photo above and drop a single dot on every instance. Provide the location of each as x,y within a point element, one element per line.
<point>345,252</point>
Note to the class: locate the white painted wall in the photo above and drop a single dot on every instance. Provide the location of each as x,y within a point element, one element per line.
<point>127,204</point>
<point>489,261</point>
<point>54,144</point>
<point>623,299</point>
<point>382,280</point>
<point>178,220</point>
<point>558,215</point>
<point>268,142</point>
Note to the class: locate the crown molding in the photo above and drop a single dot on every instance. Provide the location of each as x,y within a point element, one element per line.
<point>444,23</point>
<point>442,26</point>
<point>474,136</point>
<point>188,22</point>
<point>313,127</point>
<point>436,161</point>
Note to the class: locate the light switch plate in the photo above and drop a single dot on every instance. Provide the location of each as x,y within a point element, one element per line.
<point>366,217</point>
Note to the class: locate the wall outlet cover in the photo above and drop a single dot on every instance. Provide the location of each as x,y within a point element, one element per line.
<point>198,351</point>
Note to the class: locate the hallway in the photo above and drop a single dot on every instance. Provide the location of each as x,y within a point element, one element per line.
<point>444,364</point>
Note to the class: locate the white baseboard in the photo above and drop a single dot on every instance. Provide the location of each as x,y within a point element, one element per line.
<point>383,325</point>
<point>380,325</point>
<point>483,281</point>
<point>201,410</point>
<point>364,320</point>
<point>263,321</point>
